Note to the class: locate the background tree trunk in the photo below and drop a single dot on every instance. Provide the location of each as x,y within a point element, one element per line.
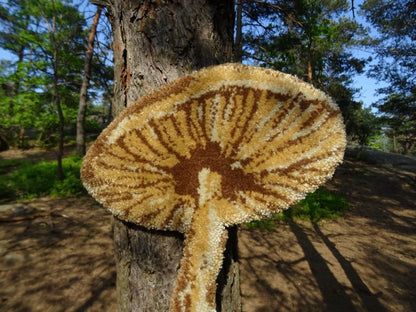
<point>84,86</point>
<point>156,42</point>
<point>238,44</point>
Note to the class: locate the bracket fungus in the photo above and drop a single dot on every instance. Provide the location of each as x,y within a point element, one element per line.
<point>224,145</point>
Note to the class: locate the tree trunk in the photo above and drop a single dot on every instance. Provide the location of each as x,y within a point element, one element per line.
<point>60,152</point>
<point>56,103</point>
<point>84,86</point>
<point>56,99</point>
<point>238,45</point>
<point>409,146</point>
<point>156,42</point>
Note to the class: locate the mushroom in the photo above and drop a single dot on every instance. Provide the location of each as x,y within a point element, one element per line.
<point>224,145</point>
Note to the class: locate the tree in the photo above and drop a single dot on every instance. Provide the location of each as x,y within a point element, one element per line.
<point>310,39</point>
<point>302,37</point>
<point>18,108</point>
<point>154,43</point>
<point>363,125</point>
<point>57,37</point>
<point>41,83</point>
<point>395,50</point>
<point>85,82</point>
<point>399,114</point>
<point>18,99</point>
<point>45,37</point>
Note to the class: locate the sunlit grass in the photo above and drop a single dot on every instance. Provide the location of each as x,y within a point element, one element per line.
<point>323,204</point>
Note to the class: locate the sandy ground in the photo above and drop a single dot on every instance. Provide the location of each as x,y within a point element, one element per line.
<point>61,260</point>
<point>363,262</point>
<point>57,254</point>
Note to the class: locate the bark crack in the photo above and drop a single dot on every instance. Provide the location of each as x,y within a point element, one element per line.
<point>125,77</point>
<point>153,55</point>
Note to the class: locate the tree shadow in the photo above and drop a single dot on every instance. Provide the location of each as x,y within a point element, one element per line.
<point>276,275</point>
<point>99,287</point>
<point>363,262</point>
<point>383,194</point>
<point>60,261</point>
<point>369,299</point>
<point>333,293</point>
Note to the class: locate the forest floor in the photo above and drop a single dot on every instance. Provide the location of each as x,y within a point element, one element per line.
<point>57,254</point>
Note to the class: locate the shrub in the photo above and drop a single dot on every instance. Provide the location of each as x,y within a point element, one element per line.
<point>5,189</point>
<point>33,179</point>
<point>8,165</point>
<point>40,179</point>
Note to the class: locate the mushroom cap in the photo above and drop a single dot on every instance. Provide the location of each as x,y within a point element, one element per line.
<point>268,137</point>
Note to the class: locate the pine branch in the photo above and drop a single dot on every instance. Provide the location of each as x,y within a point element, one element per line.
<point>102,3</point>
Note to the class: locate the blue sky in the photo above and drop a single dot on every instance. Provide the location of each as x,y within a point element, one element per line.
<point>367,86</point>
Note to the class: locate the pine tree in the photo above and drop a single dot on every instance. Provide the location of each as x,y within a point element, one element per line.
<point>395,51</point>
<point>155,43</point>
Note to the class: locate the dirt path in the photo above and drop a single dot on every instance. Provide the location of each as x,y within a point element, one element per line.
<point>364,262</point>
<point>58,257</point>
<point>61,260</point>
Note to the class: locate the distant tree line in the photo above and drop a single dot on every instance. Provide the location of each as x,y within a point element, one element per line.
<point>395,52</point>
<point>314,39</point>
<point>40,85</point>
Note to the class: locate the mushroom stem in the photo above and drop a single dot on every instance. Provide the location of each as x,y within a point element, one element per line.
<point>195,285</point>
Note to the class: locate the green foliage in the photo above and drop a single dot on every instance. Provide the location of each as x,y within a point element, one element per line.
<point>320,205</point>
<point>399,114</point>
<point>5,190</point>
<point>395,51</point>
<point>307,38</point>
<point>379,142</point>
<point>263,224</point>
<point>317,206</point>
<point>47,41</point>
<point>362,125</point>
<point>8,165</point>
<point>40,179</point>
<point>312,40</point>
<point>92,126</point>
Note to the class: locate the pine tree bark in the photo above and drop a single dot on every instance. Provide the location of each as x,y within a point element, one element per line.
<point>80,139</point>
<point>238,44</point>
<point>156,42</point>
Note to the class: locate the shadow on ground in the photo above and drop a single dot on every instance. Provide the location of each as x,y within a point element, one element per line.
<point>57,257</point>
<point>364,262</point>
